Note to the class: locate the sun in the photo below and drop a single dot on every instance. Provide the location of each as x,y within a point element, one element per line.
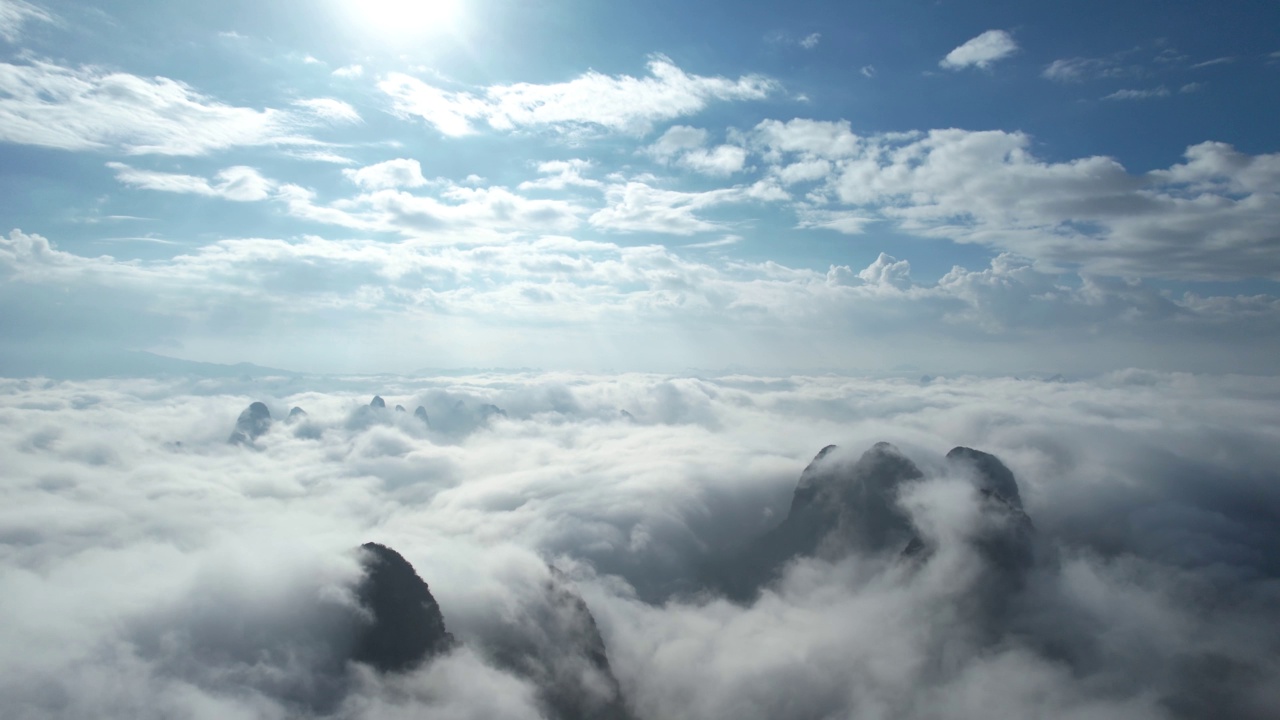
<point>403,19</point>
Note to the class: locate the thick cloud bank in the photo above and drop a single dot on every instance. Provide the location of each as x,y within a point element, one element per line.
<point>1114,556</point>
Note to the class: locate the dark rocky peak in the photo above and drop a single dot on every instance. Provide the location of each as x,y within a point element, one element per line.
<point>296,414</point>
<point>627,416</point>
<point>400,408</point>
<point>552,639</point>
<point>421,414</point>
<point>377,402</point>
<point>838,507</point>
<point>858,501</point>
<point>989,474</point>
<point>407,626</point>
<point>252,423</point>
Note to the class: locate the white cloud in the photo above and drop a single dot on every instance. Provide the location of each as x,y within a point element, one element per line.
<point>349,71</point>
<point>617,103</point>
<point>676,140</point>
<point>804,171</point>
<point>809,137</point>
<point>1215,61</point>
<point>725,241</point>
<point>721,160</point>
<point>93,109</point>
<point>239,183</point>
<point>401,172</point>
<point>561,174</point>
<point>686,146</point>
<point>1159,594</point>
<point>15,13</point>
<point>324,156</point>
<point>868,71</point>
<point>810,41</point>
<point>330,109</point>
<point>639,207</point>
<point>1147,94</point>
<point>987,188</point>
<point>989,47</point>
<point>1078,69</point>
<point>547,295</point>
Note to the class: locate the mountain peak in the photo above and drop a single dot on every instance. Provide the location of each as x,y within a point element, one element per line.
<point>407,625</point>
<point>991,475</point>
<point>252,423</point>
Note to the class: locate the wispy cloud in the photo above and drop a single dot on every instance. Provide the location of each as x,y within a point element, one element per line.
<point>90,108</point>
<point>1227,60</point>
<point>15,13</point>
<point>621,103</point>
<point>330,109</point>
<point>1144,94</point>
<point>239,183</point>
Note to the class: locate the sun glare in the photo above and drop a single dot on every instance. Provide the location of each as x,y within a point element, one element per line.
<point>407,18</point>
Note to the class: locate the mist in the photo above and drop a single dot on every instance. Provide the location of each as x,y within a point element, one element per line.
<point>150,568</point>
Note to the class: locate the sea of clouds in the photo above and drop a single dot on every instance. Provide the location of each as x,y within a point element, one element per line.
<point>149,569</point>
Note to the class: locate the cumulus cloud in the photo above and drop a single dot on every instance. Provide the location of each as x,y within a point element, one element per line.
<point>90,108</point>
<point>401,172</point>
<point>810,41</point>
<point>686,146</point>
<point>561,174</point>
<point>621,103</point>
<point>987,187</point>
<point>1153,594</point>
<point>524,303</point>
<point>981,51</point>
<point>15,13</point>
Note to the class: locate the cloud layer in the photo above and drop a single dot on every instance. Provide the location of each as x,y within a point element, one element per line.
<point>156,570</point>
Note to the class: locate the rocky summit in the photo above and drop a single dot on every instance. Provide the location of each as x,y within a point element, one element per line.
<point>407,626</point>
<point>252,423</point>
<point>840,507</point>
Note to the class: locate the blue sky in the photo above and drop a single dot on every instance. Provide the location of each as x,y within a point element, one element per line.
<point>381,186</point>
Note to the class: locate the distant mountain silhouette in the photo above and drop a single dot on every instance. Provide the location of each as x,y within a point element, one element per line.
<point>110,362</point>
<point>296,414</point>
<point>407,626</point>
<point>252,423</point>
<point>421,414</point>
<point>377,402</point>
